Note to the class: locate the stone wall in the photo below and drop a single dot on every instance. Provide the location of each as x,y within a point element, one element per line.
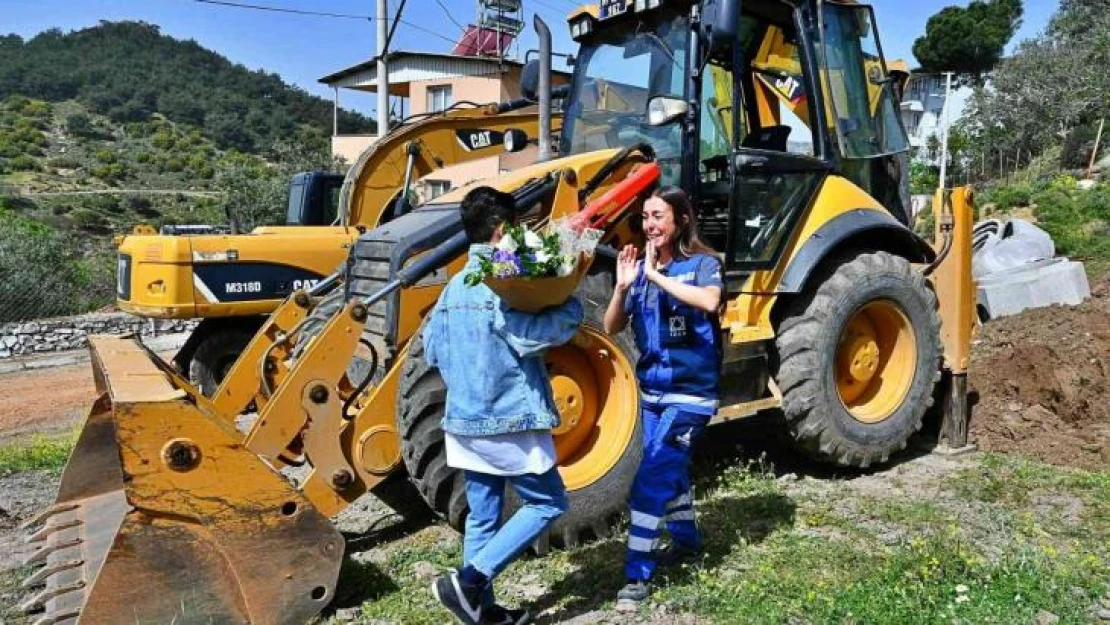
<point>66,333</point>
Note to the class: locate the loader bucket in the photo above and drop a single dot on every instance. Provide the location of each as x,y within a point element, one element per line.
<point>163,516</point>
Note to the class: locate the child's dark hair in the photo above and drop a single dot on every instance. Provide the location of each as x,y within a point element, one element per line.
<point>483,209</point>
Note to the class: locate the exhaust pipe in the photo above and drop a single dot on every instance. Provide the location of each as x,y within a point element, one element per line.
<point>544,34</point>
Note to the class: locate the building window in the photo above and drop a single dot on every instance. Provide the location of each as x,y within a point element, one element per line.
<point>439,98</point>
<point>436,188</point>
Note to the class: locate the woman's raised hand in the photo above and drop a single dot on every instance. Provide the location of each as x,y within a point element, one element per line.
<point>626,267</point>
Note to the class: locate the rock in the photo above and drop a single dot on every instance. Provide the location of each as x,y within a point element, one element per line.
<point>5,353</point>
<point>346,615</point>
<point>1104,614</point>
<point>1044,617</point>
<point>424,570</point>
<point>788,477</point>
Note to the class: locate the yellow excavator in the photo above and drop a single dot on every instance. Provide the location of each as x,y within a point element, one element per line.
<point>836,314</point>
<point>232,281</point>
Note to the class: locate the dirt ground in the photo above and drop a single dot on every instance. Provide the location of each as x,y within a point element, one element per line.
<point>44,400</point>
<point>1042,379</point>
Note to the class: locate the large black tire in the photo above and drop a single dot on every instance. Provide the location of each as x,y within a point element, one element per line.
<point>421,403</point>
<point>317,318</point>
<point>214,356</point>
<point>809,336</point>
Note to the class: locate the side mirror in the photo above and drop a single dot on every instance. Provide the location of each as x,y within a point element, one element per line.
<point>664,109</point>
<point>530,80</point>
<point>721,20</point>
<point>515,140</point>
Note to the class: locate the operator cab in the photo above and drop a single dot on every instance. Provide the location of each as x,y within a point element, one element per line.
<point>314,198</point>
<point>725,92</point>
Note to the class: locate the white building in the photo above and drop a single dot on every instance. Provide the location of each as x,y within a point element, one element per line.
<point>923,109</point>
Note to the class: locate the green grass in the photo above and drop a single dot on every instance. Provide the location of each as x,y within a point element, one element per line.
<point>987,549</point>
<point>40,452</point>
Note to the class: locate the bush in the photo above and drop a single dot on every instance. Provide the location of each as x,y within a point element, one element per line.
<point>24,162</point>
<point>65,280</point>
<point>1077,219</point>
<point>79,125</point>
<point>106,156</point>
<point>1005,198</point>
<point>64,162</point>
<point>91,221</point>
<point>110,173</point>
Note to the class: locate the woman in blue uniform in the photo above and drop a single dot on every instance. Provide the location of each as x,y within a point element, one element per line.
<point>672,299</point>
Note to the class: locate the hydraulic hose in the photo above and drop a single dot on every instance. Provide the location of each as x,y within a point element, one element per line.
<point>611,165</point>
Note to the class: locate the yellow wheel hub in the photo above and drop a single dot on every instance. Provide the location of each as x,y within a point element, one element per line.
<point>875,361</point>
<point>594,387</point>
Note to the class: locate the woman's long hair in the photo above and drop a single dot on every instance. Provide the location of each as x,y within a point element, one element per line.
<point>686,240</point>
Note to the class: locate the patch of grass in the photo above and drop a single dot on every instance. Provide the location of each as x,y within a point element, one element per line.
<point>39,453</point>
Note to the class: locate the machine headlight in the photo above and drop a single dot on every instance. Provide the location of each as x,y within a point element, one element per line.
<point>581,27</point>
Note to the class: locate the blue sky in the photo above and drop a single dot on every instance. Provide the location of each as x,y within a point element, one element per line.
<point>301,48</point>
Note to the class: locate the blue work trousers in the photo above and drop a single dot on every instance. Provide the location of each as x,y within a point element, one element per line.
<point>490,545</point>
<point>661,492</point>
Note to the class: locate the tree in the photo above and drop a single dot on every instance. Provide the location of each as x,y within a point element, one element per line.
<point>968,41</point>
<point>1051,87</point>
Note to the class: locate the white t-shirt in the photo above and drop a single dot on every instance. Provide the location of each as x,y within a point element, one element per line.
<point>518,453</point>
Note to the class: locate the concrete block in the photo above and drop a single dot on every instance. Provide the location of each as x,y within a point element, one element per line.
<point>1038,284</point>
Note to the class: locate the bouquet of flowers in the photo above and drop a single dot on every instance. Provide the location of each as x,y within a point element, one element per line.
<point>532,270</point>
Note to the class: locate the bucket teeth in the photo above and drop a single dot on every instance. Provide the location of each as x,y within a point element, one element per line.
<point>56,618</point>
<point>49,593</point>
<point>49,528</point>
<point>40,554</point>
<point>40,575</point>
<point>41,517</point>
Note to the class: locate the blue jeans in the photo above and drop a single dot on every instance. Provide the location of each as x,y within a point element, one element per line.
<point>661,491</point>
<point>489,545</point>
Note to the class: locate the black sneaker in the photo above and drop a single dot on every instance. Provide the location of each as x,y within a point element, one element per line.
<point>463,601</point>
<point>675,553</point>
<point>632,596</point>
<point>497,615</point>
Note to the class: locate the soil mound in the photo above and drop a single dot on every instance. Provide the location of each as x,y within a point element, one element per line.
<point>1043,379</point>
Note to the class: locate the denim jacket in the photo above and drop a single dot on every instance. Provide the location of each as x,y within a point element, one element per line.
<point>491,357</point>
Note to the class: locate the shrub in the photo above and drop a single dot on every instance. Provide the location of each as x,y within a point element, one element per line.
<point>24,162</point>
<point>106,156</point>
<point>110,173</point>
<point>91,221</point>
<point>64,162</point>
<point>79,125</point>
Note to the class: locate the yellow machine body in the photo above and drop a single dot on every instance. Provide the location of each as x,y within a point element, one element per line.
<point>161,474</point>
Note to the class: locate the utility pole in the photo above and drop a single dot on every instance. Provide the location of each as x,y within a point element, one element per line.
<point>944,137</point>
<point>383,69</point>
<point>1094,152</point>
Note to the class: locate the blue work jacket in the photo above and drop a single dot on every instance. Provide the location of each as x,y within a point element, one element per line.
<point>680,346</point>
<point>491,357</point>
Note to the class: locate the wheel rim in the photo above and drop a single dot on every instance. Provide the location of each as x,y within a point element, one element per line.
<point>876,358</point>
<point>594,388</point>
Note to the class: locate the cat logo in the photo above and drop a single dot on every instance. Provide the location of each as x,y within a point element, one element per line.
<point>477,139</point>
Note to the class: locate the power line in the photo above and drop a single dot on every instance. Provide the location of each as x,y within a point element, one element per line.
<point>259,7</point>
<point>449,16</point>
<point>262,7</point>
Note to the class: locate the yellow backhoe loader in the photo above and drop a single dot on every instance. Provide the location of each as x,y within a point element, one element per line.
<point>837,314</point>
<point>231,281</point>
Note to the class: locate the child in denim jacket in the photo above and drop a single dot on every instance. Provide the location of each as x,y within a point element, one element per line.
<point>499,416</point>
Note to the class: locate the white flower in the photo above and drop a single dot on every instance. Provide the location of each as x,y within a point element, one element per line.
<point>542,256</point>
<point>962,588</point>
<point>507,244</point>
<point>962,598</point>
<point>566,267</point>
<point>532,240</point>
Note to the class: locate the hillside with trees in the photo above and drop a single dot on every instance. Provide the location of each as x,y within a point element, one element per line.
<point>115,125</point>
